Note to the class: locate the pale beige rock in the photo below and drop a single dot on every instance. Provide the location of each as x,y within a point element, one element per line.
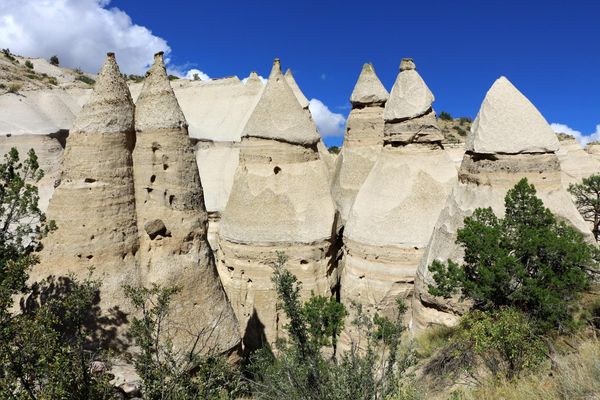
<point>593,149</point>
<point>172,222</point>
<point>410,97</point>
<point>280,202</point>
<point>575,162</point>
<point>94,205</point>
<point>363,140</point>
<point>276,115</point>
<point>368,89</point>
<point>503,110</point>
<point>483,182</point>
<point>395,210</point>
<point>291,81</point>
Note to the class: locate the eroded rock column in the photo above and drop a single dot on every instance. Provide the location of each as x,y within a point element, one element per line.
<point>280,202</point>
<point>172,222</point>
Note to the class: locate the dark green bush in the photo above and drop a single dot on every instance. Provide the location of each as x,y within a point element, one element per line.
<point>54,60</point>
<point>85,79</point>
<point>445,116</point>
<point>29,64</point>
<point>527,260</point>
<point>587,199</point>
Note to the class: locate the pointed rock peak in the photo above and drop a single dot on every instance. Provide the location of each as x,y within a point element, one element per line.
<point>276,69</point>
<point>407,64</point>
<point>157,106</point>
<point>110,107</point>
<point>508,123</point>
<point>278,114</point>
<point>296,89</point>
<point>368,89</point>
<point>410,97</point>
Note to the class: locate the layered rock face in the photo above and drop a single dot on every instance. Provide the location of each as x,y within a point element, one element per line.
<point>94,204</point>
<point>280,202</point>
<point>575,162</point>
<point>395,210</point>
<point>172,221</point>
<point>509,140</point>
<point>363,140</point>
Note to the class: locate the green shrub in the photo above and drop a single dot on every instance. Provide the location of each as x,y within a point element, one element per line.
<point>527,260</point>
<point>587,200</point>
<point>168,373</point>
<point>52,80</point>
<point>54,60</point>
<point>299,369</point>
<point>29,64</point>
<point>334,149</point>
<point>8,54</point>
<point>460,130</point>
<point>14,87</point>
<point>85,79</point>
<point>173,77</point>
<point>445,116</point>
<point>465,120</point>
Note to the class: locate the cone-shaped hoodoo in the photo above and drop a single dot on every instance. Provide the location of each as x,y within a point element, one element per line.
<point>94,205</point>
<point>280,202</point>
<point>172,220</point>
<point>291,81</point>
<point>521,144</point>
<point>363,139</point>
<point>396,208</point>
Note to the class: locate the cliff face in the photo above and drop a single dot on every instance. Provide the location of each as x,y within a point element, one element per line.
<point>280,202</point>
<point>499,154</point>
<point>172,221</point>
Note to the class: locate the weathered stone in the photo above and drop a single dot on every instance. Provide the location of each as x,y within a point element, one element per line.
<point>368,89</point>
<point>155,227</point>
<point>280,202</point>
<point>289,78</point>
<point>410,97</point>
<point>94,205</point>
<point>276,115</point>
<point>394,212</point>
<point>507,123</point>
<point>168,186</point>
<point>363,140</point>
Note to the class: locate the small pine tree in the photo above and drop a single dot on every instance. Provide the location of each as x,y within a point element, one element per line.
<point>54,60</point>
<point>29,64</point>
<point>587,199</point>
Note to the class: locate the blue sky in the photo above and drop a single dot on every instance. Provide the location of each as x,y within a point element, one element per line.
<point>549,49</point>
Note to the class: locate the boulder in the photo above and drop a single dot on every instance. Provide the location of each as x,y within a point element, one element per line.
<point>505,109</point>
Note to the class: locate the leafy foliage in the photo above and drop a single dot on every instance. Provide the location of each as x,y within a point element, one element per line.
<point>43,351</point>
<point>587,199</point>
<point>445,116</point>
<point>300,367</point>
<point>29,64</point>
<point>527,260</point>
<point>168,373</point>
<point>54,60</point>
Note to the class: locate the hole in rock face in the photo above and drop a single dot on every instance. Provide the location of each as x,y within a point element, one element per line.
<point>152,178</point>
<point>276,170</point>
<point>165,167</point>
<point>171,199</point>
<point>230,269</point>
<point>303,262</point>
<point>90,257</point>
<point>89,180</point>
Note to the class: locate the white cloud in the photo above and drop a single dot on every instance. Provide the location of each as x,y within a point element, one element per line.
<point>262,79</point>
<point>329,123</point>
<point>79,32</point>
<point>192,72</point>
<point>581,138</point>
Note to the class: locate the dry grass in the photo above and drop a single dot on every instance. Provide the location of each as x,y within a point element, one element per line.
<point>575,377</point>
